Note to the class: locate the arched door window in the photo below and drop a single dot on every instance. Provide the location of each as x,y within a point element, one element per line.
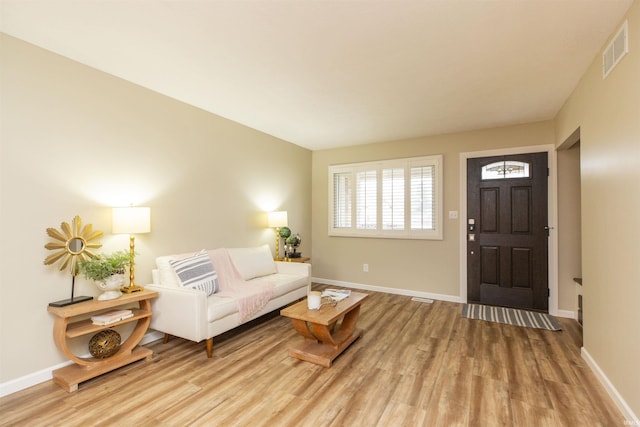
<point>505,169</point>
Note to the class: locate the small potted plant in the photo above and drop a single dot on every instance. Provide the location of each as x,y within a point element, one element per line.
<point>107,272</point>
<point>291,245</point>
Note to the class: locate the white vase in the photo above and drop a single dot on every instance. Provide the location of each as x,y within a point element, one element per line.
<point>110,287</point>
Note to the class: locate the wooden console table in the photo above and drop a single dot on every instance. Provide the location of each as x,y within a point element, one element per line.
<point>299,259</point>
<point>321,344</point>
<point>66,327</point>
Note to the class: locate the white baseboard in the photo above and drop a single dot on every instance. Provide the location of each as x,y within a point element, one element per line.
<point>29,380</point>
<point>565,313</point>
<point>627,413</point>
<point>451,298</point>
<point>46,374</point>
<point>396,291</point>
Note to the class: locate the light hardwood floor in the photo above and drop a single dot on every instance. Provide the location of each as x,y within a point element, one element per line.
<point>417,364</point>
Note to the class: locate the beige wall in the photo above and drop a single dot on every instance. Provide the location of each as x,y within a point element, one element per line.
<point>569,220</point>
<point>78,141</point>
<point>429,266</point>
<point>608,115</point>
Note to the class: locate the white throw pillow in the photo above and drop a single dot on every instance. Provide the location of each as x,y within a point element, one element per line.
<point>166,273</point>
<point>253,262</point>
<point>197,272</point>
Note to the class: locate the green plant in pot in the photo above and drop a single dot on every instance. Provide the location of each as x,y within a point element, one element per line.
<point>107,272</point>
<point>291,244</point>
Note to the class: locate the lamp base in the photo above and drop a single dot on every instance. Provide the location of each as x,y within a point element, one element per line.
<point>131,288</point>
<point>69,301</point>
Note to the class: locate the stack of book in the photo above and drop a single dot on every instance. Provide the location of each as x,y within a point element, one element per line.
<point>111,317</point>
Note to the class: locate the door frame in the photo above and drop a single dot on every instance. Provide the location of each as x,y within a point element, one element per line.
<point>552,214</point>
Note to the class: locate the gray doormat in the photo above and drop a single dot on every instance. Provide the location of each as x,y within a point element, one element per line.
<point>510,316</point>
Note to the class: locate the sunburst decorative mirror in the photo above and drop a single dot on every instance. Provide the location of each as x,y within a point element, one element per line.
<point>72,244</point>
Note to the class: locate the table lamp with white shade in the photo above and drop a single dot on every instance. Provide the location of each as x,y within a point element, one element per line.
<point>131,220</point>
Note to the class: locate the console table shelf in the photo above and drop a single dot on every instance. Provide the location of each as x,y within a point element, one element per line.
<point>68,326</point>
<point>84,327</point>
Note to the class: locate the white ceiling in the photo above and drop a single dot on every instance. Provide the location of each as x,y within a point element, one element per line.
<point>325,74</point>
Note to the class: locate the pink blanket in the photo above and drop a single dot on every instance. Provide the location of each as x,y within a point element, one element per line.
<point>251,297</point>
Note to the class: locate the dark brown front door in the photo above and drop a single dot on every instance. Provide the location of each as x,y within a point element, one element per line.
<point>507,231</point>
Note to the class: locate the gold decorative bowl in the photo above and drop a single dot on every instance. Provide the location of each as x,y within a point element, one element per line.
<point>104,344</point>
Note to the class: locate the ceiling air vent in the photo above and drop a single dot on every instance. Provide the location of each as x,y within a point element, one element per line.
<point>616,50</point>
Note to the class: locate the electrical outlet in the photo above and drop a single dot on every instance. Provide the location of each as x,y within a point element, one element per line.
<point>365,268</point>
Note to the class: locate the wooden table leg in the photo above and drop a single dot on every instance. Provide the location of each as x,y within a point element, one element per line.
<point>303,329</point>
<point>345,332</point>
<point>321,346</point>
<point>348,324</point>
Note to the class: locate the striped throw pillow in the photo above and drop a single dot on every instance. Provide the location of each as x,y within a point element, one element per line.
<point>197,272</point>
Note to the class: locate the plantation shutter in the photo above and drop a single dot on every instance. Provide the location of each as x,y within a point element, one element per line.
<point>342,200</point>
<point>389,199</point>
<point>393,199</point>
<point>423,200</point>
<point>366,200</point>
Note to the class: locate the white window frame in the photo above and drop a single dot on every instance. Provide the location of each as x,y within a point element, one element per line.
<point>406,233</point>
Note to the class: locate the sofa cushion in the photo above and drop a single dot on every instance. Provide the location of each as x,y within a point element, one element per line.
<point>283,283</point>
<point>219,307</point>
<point>196,272</point>
<point>166,274</point>
<point>253,262</point>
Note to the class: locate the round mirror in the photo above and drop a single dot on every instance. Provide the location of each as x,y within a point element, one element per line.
<point>76,245</point>
<point>70,243</point>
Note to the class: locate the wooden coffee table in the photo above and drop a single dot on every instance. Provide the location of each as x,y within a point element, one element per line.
<point>322,344</point>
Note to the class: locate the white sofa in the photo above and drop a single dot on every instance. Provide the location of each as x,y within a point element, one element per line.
<point>191,314</point>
